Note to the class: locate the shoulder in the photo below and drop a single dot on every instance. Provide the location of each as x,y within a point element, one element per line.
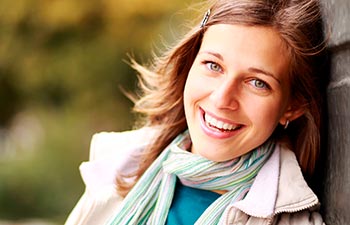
<point>288,156</point>
<point>105,145</point>
<point>291,179</point>
<point>112,153</point>
<point>296,202</point>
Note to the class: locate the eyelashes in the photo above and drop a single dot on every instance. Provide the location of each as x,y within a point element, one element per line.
<point>213,66</point>
<point>260,84</point>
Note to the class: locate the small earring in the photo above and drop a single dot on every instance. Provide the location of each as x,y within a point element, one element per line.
<point>286,125</point>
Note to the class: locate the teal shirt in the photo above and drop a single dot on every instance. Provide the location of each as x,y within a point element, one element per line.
<point>188,204</point>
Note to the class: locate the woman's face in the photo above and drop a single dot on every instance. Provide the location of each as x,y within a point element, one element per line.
<point>237,90</point>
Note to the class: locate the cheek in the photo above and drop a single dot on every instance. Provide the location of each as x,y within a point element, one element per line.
<point>187,93</point>
<point>265,114</point>
<point>193,89</point>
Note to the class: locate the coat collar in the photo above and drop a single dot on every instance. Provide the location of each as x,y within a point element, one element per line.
<point>278,187</point>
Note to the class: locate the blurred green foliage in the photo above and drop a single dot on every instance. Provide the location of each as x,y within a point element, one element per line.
<point>61,69</point>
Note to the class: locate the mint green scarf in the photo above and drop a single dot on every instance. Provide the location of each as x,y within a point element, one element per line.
<point>150,199</point>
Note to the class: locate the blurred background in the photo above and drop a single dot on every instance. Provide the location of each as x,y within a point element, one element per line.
<point>63,64</point>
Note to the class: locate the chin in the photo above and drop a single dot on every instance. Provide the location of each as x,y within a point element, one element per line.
<point>213,156</point>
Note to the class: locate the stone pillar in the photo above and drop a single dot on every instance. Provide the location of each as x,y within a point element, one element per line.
<point>336,190</point>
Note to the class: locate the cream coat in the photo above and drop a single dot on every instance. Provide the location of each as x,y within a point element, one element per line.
<point>279,194</point>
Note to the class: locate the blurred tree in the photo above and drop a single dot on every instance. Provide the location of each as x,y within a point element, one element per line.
<point>10,99</point>
<point>61,69</point>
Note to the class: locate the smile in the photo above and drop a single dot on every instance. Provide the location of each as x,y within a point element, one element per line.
<point>218,124</point>
<point>218,128</point>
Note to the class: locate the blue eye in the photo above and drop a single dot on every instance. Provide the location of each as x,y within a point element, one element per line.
<point>214,66</point>
<point>259,84</point>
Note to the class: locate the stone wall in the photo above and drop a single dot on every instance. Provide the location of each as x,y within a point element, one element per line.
<point>336,189</point>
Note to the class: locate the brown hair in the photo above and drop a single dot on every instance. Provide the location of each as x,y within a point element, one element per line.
<point>299,24</point>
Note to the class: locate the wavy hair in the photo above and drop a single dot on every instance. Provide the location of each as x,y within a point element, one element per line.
<point>299,24</point>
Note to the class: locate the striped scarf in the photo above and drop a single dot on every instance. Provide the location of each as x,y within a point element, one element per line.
<point>150,199</point>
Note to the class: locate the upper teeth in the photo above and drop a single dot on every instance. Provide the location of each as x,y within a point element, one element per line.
<point>218,124</point>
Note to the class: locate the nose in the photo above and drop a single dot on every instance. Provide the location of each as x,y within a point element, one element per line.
<point>226,95</point>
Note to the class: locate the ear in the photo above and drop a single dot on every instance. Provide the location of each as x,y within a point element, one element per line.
<point>291,114</point>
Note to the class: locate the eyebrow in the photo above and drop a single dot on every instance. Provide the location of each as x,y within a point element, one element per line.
<point>251,69</point>
<point>217,55</point>
<point>256,70</point>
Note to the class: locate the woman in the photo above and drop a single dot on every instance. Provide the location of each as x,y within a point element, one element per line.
<point>230,114</point>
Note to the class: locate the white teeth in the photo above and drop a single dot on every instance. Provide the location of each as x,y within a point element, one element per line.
<point>218,124</point>
<point>226,126</point>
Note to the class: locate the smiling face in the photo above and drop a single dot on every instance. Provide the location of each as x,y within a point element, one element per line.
<point>237,91</point>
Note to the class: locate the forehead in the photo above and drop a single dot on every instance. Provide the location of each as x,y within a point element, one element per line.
<point>265,35</point>
<point>248,46</point>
